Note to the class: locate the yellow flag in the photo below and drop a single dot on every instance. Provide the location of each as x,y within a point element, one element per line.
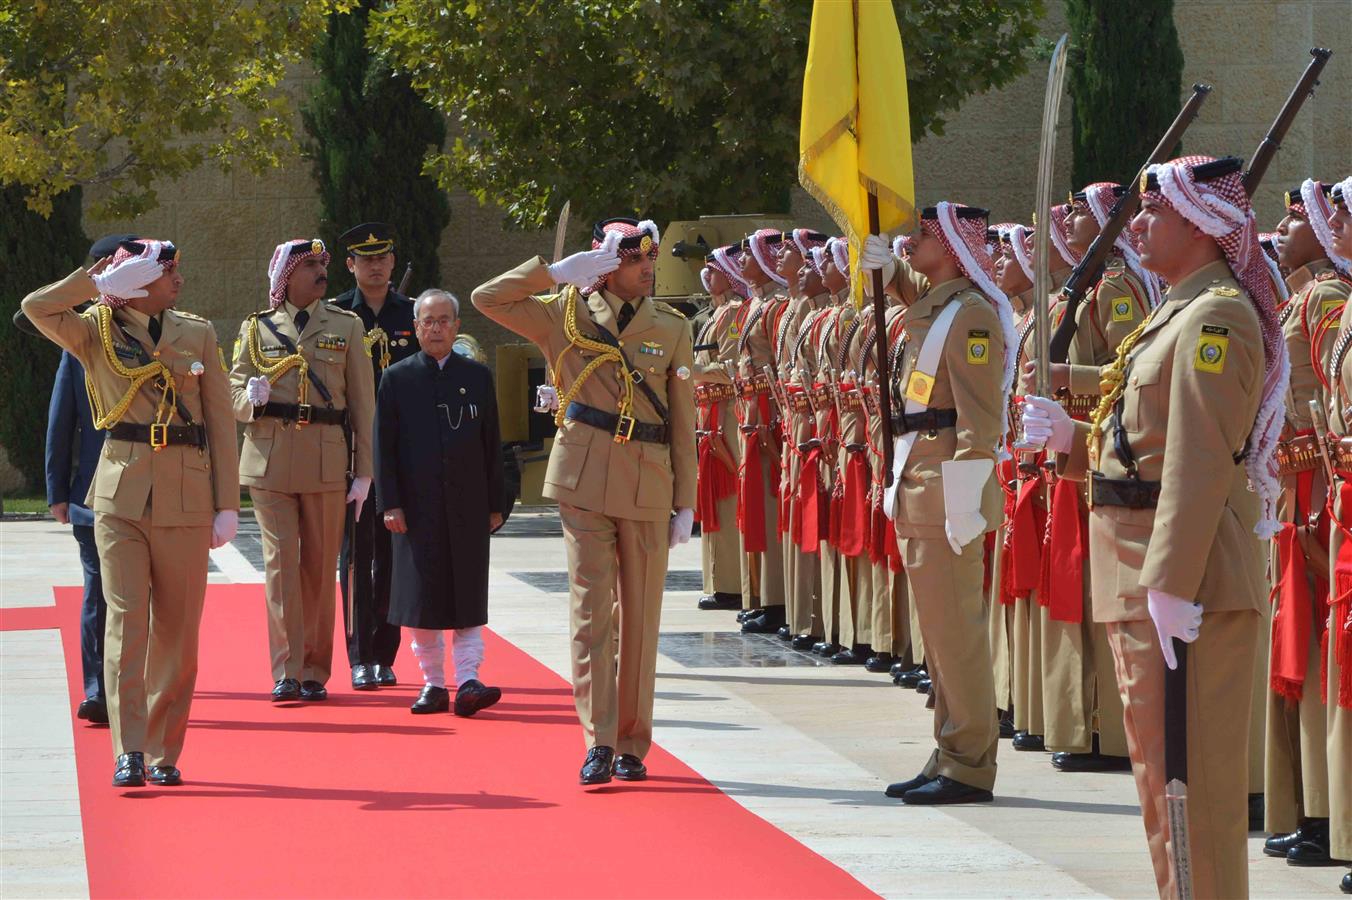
<point>855,132</point>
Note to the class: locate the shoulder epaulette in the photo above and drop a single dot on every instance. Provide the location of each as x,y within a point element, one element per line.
<point>188,315</point>
<point>1327,275</point>
<point>333,305</point>
<point>658,304</point>
<point>548,298</point>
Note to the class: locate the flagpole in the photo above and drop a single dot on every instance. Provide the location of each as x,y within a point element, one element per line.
<point>880,344</point>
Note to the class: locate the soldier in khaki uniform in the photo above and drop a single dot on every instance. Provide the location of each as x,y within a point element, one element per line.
<point>1191,417</point>
<point>719,448</point>
<point>953,374</point>
<point>166,488</point>
<point>623,463</point>
<point>1296,771</point>
<point>304,388</point>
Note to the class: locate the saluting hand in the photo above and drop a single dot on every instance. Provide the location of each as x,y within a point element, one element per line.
<point>582,269</point>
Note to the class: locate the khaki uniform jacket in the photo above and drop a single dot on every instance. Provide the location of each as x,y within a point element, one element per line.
<point>1118,304</point>
<point>721,329</point>
<point>756,347</point>
<point>182,485</point>
<point>1323,292</point>
<point>280,456</point>
<point>1194,382</point>
<point>637,480</point>
<point>967,381</point>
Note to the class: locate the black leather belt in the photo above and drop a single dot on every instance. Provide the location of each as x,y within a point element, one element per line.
<point>929,420</point>
<point>1132,493</point>
<point>628,429</point>
<point>302,414</point>
<point>159,435</point>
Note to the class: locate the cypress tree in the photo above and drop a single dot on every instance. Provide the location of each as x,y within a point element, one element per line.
<point>1125,79</point>
<point>33,251</point>
<point>367,135</point>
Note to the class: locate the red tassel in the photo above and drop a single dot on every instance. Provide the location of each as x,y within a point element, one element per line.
<point>1292,618</point>
<point>854,514</point>
<point>1066,550</point>
<point>1026,535</point>
<point>807,529</point>
<point>751,497</point>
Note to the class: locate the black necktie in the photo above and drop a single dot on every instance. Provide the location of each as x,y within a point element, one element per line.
<point>154,328</point>
<point>302,318</point>
<point>626,315</point>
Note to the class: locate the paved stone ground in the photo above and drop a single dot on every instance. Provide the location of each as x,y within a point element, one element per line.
<point>808,747</point>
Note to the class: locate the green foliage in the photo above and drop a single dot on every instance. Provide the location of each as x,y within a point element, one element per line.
<point>119,94</point>
<point>367,134</point>
<point>669,108</point>
<point>1125,80</point>
<point>34,250</point>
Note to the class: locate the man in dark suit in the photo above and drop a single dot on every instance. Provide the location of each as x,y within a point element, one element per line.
<point>387,315</point>
<point>439,488</point>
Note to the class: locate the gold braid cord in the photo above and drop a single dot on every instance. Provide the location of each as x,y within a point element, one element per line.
<point>377,337</point>
<point>604,354</point>
<point>105,418</point>
<point>273,370</point>
<point>1112,383</point>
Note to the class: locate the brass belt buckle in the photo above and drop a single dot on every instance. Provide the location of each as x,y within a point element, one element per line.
<point>624,429</point>
<point>303,411</point>
<point>159,436</point>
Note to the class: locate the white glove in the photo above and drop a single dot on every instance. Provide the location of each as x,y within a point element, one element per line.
<point>223,527</point>
<point>681,524</point>
<point>128,277</point>
<point>582,269</point>
<point>361,486</point>
<point>546,399</point>
<point>1047,424</point>
<point>964,482</point>
<point>876,252</point>
<point>1174,617</point>
<point>259,390</point>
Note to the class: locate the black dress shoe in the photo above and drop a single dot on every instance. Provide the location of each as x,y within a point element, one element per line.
<point>911,678</point>
<point>598,766</point>
<point>719,600</point>
<point>826,649</point>
<point>164,776</point>
<point>1090,762</point>
<point>924,686</point>
<point>944,790</point>
<point>385,675</point>
<point>630,768</point>
<point>766,621</point>
<point>313,691</point>
<point>899,789</point>
<point>747,614</point>
<point>1346,884</point>
<point>1007,724</point>
<point>879,662</point>
<point>1312,853</point>
<point>1257,810</point>
<point>785,633</point>
<point>898,668</point>
<point>803,642</point>
<point>850,656</point>
<point>364,678</point>
<point>94,710</point>
<point>1025,741</point>
<point>130,771</point>
<point>1310,830</point>
<point>433,699</point>
<point>285,689</point>
<point>473,696</point>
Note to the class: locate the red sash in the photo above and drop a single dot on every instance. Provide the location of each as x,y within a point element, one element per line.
<point>837,510</point>
<point>751,496</point>
<point>1026,534</point>
<point>1298,608</point>
<point>808,529</point>
<point>854,512</point>
<point>1065,553</point>
<point>1340,621</point>
<point>715,481</point>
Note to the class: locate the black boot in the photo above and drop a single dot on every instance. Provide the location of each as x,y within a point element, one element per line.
<point>767,621</point>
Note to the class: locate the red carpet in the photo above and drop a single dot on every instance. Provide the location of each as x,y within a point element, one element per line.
<point>356,797</point>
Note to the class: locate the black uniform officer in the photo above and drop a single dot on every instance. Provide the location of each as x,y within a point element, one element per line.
<point>372,641</point>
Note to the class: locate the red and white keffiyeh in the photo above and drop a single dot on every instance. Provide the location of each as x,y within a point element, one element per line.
<point>1268,241</point>
<point>1017,237</point>
<point>1100,198</point>
<point>727,261</point>
<point>636,238</point>
<point>1318,211</point>
<point>1060,212</point>
<point>964,237</point>
<point>1221,209</point>
<point>285,258</point>
<point>163,252</point>
<point>807,240</point>
<point>767,245</point>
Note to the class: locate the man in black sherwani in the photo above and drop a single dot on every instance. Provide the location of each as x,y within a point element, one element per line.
<point>439,486</point>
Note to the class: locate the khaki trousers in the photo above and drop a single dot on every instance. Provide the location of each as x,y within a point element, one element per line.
<point>154,580</point>
<point>802,589</point>
<point>302,536</point>
<point>870,628</point>
<point>1339,726</point>
<point>1218,738</point>
<point>838,623</point>
<point>764,577</point>
<point>1258,694</point>
<point>890,594</point>
<point>946,592</point>
<point>1000,621</point>
<point>614,565</point>
<point>722,551</point>
<point>1027,645</point>
<point>1078,684</point>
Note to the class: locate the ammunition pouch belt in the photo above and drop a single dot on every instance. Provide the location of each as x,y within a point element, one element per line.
<point>799,402</point>
<point>623,427</point>
<point>302,413</point>
<point>1132,493</point>
<point>708,394</point>
<point>929,420</point>
<point>1079,406</point>
<point>821,397</point>
<point>1342,457</point>
<point>852,400</point>
<point>1299,454</point>
<point>159,436</point>
<point>756,384</point>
